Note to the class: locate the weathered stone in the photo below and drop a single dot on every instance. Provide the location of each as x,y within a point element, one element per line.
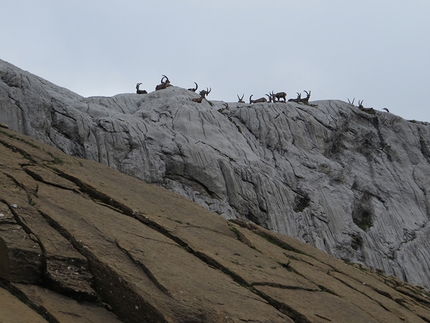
<point>116,249</point>
<point>20,257</point>
<point>351,183</point>
<point>14,311</point>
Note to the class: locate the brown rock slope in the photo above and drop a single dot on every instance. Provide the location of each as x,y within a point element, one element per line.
<point>80,242</point>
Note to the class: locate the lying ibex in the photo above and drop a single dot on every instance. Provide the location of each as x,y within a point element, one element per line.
<point>240,100</point>
<point>165,82</point>
<point>205,93</point>
<point>139,91</point>
<point>260,100</point>
<point>362,108</point>
<point>298,99</point>
<point>198,100</point>
<point>308,96</point>
<point>194,89</point>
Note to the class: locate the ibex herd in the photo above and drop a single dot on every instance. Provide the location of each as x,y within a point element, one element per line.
<point>164,83</point>
<point>272,97</point>
<point>278,97</point>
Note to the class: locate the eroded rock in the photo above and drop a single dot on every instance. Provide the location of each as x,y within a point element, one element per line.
<point>351,183</point>
<point>116,249</point>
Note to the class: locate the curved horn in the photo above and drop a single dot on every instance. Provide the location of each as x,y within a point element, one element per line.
<point>197,86</point>
<point>351,102</point>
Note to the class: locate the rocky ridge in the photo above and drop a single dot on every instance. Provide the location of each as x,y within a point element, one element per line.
<point>349,182</point>
<point>80,241</point>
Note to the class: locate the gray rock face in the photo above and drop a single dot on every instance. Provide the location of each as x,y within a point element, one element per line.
<point>351,183</point>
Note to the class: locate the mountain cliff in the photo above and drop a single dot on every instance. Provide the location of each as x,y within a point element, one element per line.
<point>350,182</point>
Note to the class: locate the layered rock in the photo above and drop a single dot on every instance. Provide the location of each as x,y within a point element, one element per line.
<point>349,182</point>
<point>82,242</point>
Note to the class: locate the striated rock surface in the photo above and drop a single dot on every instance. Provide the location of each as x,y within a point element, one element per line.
<point>352,183</point>
<point>81,242</point>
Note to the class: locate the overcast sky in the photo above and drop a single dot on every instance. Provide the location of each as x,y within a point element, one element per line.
<point>376,51</point>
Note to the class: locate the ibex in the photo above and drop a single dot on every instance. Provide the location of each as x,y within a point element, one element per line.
<point>298,99</point>
<point>362,108</point>
<point>194,89</point>
<point>240,100</point>
<point>139,91</point>
<point>270,96</point>
<point>260,100</point>
<point>205,93</point>
<point>198,100</point>
<point>278,96</point>
<point>165,82</point>
<point>308,96</point>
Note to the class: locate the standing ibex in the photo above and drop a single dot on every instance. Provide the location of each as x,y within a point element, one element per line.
<point>240,100</point>
<point>165,82</point>
<point>260,100</point>
<point>278,96</point>
<point>194,89</point>
<point>139,91</point>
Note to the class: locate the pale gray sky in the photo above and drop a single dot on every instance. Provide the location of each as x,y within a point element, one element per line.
<point>377,51</point>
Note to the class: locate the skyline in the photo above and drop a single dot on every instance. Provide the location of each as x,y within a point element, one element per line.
<point>375,51</point>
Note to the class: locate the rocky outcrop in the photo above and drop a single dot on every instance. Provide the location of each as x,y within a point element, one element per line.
<point>350,182</point>
<point>81,242</point>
